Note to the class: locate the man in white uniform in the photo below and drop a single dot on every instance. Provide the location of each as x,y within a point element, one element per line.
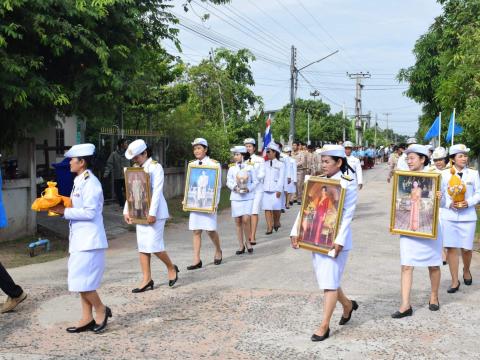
<point>354,163</point>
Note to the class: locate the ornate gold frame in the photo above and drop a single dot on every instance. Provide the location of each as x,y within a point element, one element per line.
<point>331,182</point>
<point>436,203</point>
<point>212,209</point>
<point>138,220</point>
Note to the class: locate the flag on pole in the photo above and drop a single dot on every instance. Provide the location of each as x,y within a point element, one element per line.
<point>434,130</point>
<point>453,129</point>
<point>267,138</point>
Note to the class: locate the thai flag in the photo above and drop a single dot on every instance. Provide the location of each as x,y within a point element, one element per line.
<point>267,138</point>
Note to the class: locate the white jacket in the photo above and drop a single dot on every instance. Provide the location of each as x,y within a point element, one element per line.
<point>274,176</point>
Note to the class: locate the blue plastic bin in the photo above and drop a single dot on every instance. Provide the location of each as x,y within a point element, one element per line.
<point>64,177</point>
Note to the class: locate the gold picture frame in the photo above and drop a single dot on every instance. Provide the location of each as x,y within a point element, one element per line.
<point>137,194</point>
<point>201,198</point>
<point>321,214</point>
<point>414,205</point>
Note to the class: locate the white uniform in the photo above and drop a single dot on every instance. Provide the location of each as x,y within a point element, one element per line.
<point>357,167</point>
<point>87,240</point>
<point>290,173</point>
<point>329,270</point>
<point>259,165</point>
<point>402,163</point>
<point>415,251</point>
<point>150,237</point>
<point>459,225</point>
<point>274,182</point>
<point>242,203</point>
<point>201,220</point>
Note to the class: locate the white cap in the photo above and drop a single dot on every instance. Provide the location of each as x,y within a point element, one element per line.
<point>430,147</point>
<point>249,141</point>
<point>333,150</point>
<point>418,149</point>
<point>239,149</point>
<point>80,150</point>
<point>135,148</point>
<point>458,149</point>
<point>287,149</point>
<point>273,146</point>
<point>439,153</point>
<point>411,141</point>
<point>200,141</point>
<point>348,144</point>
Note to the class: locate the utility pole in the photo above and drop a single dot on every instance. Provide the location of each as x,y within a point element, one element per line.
<point>387,114</point>
<point>220,92</point>
<point>293,86</point>
<point>358,104</point>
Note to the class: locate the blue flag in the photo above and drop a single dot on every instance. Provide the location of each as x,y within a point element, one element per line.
<point>434,130</point>
<point>458,129</point>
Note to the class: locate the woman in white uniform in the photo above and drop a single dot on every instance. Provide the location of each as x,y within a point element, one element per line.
<point>329,268</point>
<point>200,221</point>
<point>460,218</point>
<point>258,163</point>
<point>290,185</point>
<point>150,237</point>
<point>242,180</point>
<point>440,162</point>
<point>87,240</point>
<point>415,251</point>
<point>273,184</point>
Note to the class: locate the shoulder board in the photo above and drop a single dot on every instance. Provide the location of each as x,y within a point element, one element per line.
<point>346,177</point>
<point>213,160</point>
<point>472,168</point>
<point>231,165</point>
<point>322,176</point>
<point>87,175</point>
<point>154,162</point>
<point>191,161</point>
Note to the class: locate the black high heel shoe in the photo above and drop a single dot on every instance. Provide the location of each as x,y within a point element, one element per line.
<point>250,250</point>
<point>467,282</point>
<point>269,232</point>
<point>454,290</point>
<point>172,282</point>
<point>145,288</point>
<point>240,252</point>
<point>434,307</point>
<point>196,266</point>
<point>99,328</point>
<point>80,329</point>
<point>276,228</point>
<point>218,261</point>
<point>325,336</point>
<point>344,320</point>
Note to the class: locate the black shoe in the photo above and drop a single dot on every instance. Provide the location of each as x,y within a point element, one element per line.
<point>99,328</point>
<point>83,328</point>
<point>325,336</point>
<point>467,282</point>
<point>194,267</point>
<point>276,228</point>
<point>453,290</point>
<point>145,288</point>
<point>299,203</point>
<point>445,263</point>
<point>250,251</point>
<point>291,203</point>
<point>240,252</point>
<point>434,307</point>
<point>344,320</point>
<point>269,232</point>
<point>217,261</point>
<point>253,243</point>
<point>283,211</point>
<point>399,315</point>
<point>172,282</point>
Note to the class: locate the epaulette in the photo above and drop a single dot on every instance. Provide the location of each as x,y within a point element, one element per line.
<point>346,177</point>
<point>86,175</point>
<point>154,162</point>
<point>250,162</point>
<point>472,168</point>
<point>432,168</point>
<point>322,175</point>
<point>191,161</point>
<point>231,165</point>
<point>215,161</point>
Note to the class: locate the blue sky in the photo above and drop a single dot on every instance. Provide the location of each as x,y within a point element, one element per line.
<point>371,35</point>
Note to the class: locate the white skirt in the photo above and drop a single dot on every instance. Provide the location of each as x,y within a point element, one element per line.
<point>420,252</point>
<point>458,234</point>
<point>291,188</point>
<point>257,203</point>
<point>329,270</point>
<point>241,207</point>
<point>202,221</point>
<point>150,237</point>
<point>271,202</point>
<point>85,270</point>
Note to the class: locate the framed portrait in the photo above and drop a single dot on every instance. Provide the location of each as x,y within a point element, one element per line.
<point>137,188</point>
<point>322,207</point>
<point>201,188</point>
<point>415,204</point>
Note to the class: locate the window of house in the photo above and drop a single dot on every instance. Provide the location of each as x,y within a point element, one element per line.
<point>60,140</point>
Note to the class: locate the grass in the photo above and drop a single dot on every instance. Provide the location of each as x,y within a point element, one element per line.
<point>177,214</point>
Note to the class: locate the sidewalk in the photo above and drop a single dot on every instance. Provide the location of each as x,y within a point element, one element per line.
<point>260,306</point>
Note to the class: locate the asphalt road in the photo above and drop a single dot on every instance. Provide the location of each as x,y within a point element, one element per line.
<point>260,306</point>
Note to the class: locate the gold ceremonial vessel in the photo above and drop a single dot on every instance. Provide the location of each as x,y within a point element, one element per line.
<point>242,181</point>
<point>456,187</point>
<point>50,198</point>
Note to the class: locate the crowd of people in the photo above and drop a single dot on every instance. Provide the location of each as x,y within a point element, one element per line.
<point>268,184</point>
